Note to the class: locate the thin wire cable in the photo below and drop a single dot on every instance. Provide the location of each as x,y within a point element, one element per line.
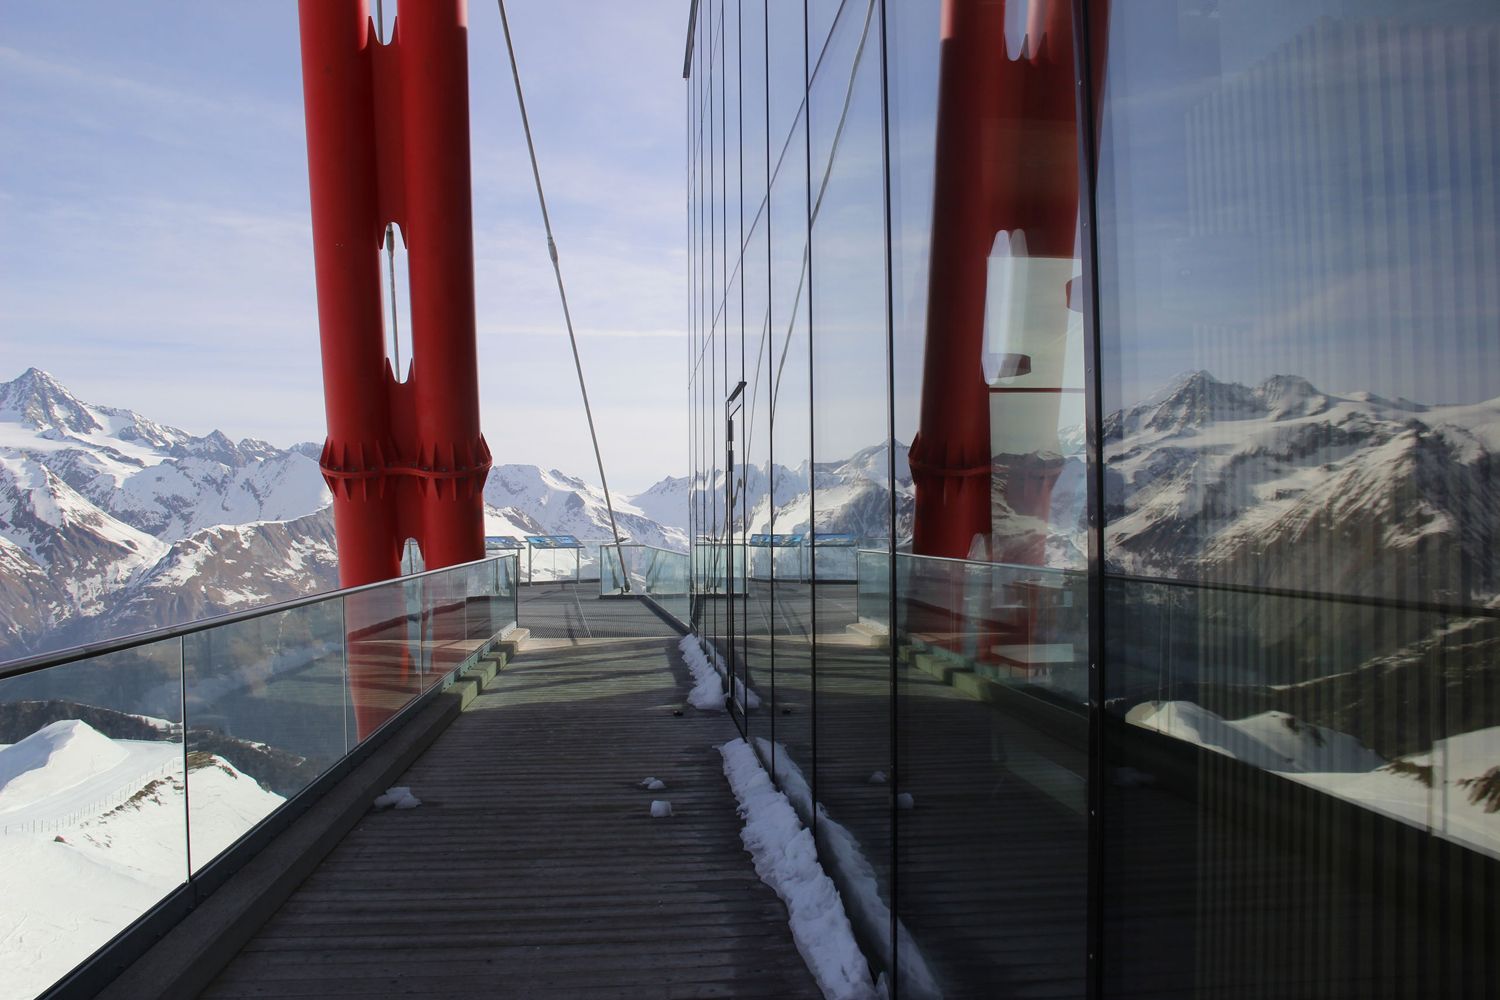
<point>541,197</point>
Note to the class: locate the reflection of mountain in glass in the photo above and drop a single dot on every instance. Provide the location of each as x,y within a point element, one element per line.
<point>1284,485</point>
<point>1382,516</point>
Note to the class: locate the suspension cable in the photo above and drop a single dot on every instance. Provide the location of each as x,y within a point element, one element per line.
<point>562,293</point>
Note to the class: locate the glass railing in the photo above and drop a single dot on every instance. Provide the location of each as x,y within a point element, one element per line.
<point>660,574</point>
<point>873,590</point>
<point>127,768</point>
<point>1384,705</point>
<point>1018,625</point>
<point>580,565</point>
<point>710,566</point>
<point>1387,706</point>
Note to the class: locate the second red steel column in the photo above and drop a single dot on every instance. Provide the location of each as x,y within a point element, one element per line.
<point>388,142</point>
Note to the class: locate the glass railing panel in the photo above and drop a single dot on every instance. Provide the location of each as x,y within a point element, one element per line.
<point>385,652</point>
<point>833,563</point>
<point>481,602</point>
<point>93,830</point>
<point>509,589</point>
<point>1330,750</point>
<point>993,755</point>
<point>444,625</point>
<point>128,772</point>
<point>659,574</point>
<point>668,582</point>
<point>265,716</point>
<point>1391,709</point>
<point>615,578</point>
<point>873,587</point>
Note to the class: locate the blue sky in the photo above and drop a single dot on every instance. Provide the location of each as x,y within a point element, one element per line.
<point>157,250</point>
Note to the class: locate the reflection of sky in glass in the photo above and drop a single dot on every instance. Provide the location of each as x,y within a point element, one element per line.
<point>1302,188</point>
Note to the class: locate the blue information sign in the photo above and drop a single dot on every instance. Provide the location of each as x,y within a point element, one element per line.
<point>774,541</point>
<point>822,538</point>
<point>501,542</point>
<point>553,542</point>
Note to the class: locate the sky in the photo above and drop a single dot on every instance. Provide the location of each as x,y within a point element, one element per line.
<point>1267,207</point>
<point>158,249</point>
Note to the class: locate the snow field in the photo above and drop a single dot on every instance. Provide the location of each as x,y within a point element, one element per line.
<point>1433,790</point>
<point>100,866</point>
<point>786,859</point>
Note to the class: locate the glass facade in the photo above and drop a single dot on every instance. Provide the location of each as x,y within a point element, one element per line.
<point>1095,420</point>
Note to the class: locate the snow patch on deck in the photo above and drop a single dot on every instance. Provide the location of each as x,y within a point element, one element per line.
<point>786,859</point>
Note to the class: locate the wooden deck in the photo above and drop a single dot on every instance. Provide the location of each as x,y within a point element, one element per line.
<point>533,867</point>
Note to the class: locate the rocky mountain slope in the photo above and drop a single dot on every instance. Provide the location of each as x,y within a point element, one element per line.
<point>111,523</point>
<point>1285,485</point>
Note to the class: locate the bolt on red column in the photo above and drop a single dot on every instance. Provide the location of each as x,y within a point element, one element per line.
<point>388,142</point>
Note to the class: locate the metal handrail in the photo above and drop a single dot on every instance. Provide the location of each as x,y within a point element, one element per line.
<point>72,654</point>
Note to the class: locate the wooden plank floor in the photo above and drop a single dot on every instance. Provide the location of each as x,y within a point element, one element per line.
<point>533,867</point>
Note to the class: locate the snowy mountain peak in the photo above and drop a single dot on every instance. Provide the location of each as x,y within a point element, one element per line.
<point>39,401</point>
<point>1199,399</point>
<point>1287,396</point>
<point>69,751</point>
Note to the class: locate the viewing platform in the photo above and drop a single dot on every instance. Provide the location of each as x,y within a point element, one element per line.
<point>533,866</point>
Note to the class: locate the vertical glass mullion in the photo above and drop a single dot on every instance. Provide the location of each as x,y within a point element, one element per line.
<point>187,819</point>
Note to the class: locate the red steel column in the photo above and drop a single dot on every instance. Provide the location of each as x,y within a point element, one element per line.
<point>339,101</point>
<point>444,389</point>
<point>1006,160</point>
<point>388,142</point>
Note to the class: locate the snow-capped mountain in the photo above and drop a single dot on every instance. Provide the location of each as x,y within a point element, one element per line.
<point>111,522</point>
<point>852,495</point>
<point>156,479</point>
<point>1286,485</point>
<point>666,502</point>
<point>525,500</point>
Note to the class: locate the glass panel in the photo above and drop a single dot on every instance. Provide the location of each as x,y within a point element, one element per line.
<point>444,626</point>
<point>384,653</point>
<point>92,806</point>
<point>508,589</point>
<point>1297,209</point>
<point>851,496</point>
<point>991,632</point>
<point>790,391</point>
<point>756,418</point>
<point>265,715</point>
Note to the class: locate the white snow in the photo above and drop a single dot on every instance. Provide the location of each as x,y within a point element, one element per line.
<point>693,653</point>
<point>1273,741</point>
<point>398,797</point>
<point>98,861</point>
<point>843,852</point>
<point>708,687</point>
<point>653,784</point>
<point>904,800</point>
<point>787,860</point>
<point>660,809</point>
<point>1434,791</point>
<point>743,693</point>
<point>69,768</point>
